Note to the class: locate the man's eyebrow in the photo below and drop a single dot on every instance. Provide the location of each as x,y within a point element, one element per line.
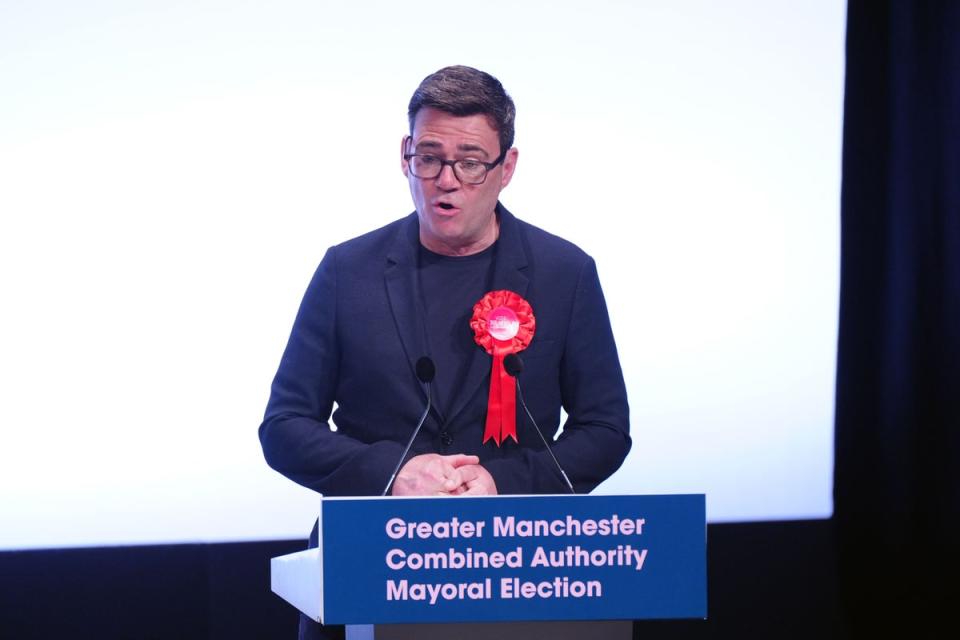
<point>473,147</point>
<point>432,145</point>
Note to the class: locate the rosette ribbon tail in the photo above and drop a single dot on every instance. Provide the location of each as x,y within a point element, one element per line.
<point>501,404</point>
<point>502,323</point>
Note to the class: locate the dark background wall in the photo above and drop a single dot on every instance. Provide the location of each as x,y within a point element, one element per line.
<point>897,453</point>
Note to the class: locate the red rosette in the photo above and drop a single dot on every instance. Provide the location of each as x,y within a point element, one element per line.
<point>502,323</point>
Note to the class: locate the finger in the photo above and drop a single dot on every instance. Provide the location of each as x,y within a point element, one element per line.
<point>456,478</point>
<point>469,473</point>
<point>476,489</point>
<point>456,491</point>
<point>461,459</point>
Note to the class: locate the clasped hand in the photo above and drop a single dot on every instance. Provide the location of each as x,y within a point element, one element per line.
<point>431,474</point>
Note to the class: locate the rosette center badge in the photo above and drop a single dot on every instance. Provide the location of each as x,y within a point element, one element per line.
<point>503,324</point>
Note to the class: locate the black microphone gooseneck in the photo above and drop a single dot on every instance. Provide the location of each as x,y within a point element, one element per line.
<point>513,366</point>
<point>426,371</point>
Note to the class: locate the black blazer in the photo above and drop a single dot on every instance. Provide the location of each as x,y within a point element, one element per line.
<point>359,333</point>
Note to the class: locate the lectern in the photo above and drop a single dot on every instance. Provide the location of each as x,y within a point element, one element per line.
<point>501,566</point>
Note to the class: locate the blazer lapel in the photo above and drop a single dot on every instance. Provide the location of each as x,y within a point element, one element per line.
<point>509,272</point>
<point>403,291</point>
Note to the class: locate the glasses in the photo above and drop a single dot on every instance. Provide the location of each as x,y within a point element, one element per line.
<point>427,167</point>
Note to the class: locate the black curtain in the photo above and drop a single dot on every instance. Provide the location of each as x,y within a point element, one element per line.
<point>897,473</point>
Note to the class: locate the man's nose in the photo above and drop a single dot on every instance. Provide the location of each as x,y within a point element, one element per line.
<point>447,178</point>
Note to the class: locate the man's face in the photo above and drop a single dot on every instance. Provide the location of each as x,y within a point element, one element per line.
<point>456,218</point>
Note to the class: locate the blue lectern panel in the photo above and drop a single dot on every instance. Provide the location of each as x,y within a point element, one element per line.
<point>514,558</point>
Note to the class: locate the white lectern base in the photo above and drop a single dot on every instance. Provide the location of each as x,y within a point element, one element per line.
<point>553,630</point>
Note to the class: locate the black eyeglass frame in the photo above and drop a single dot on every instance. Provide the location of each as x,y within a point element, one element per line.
<point>453,165</point>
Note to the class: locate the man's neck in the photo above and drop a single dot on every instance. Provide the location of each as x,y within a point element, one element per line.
<point>459,250</point>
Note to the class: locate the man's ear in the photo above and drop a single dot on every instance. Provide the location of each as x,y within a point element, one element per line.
<point>404,165</point>
<point>509,166</point>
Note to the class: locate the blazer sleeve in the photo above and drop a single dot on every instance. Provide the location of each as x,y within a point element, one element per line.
<point>596,436</point>
<point>295,434</point>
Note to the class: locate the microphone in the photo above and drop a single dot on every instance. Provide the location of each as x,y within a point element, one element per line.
<point>513,365</point>
<point>426,371</point>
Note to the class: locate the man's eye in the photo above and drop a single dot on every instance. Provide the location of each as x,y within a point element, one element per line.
<point>429,160</point>
<point>470,165</point>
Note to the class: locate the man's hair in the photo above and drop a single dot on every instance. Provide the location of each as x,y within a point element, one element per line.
<point>465,91</point>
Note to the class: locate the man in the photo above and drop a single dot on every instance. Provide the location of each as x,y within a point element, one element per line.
<point>379,303</point>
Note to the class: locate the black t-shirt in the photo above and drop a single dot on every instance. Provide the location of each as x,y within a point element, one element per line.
<point>450,286</point>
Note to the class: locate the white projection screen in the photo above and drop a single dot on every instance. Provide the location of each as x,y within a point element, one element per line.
<point>172,172</point>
